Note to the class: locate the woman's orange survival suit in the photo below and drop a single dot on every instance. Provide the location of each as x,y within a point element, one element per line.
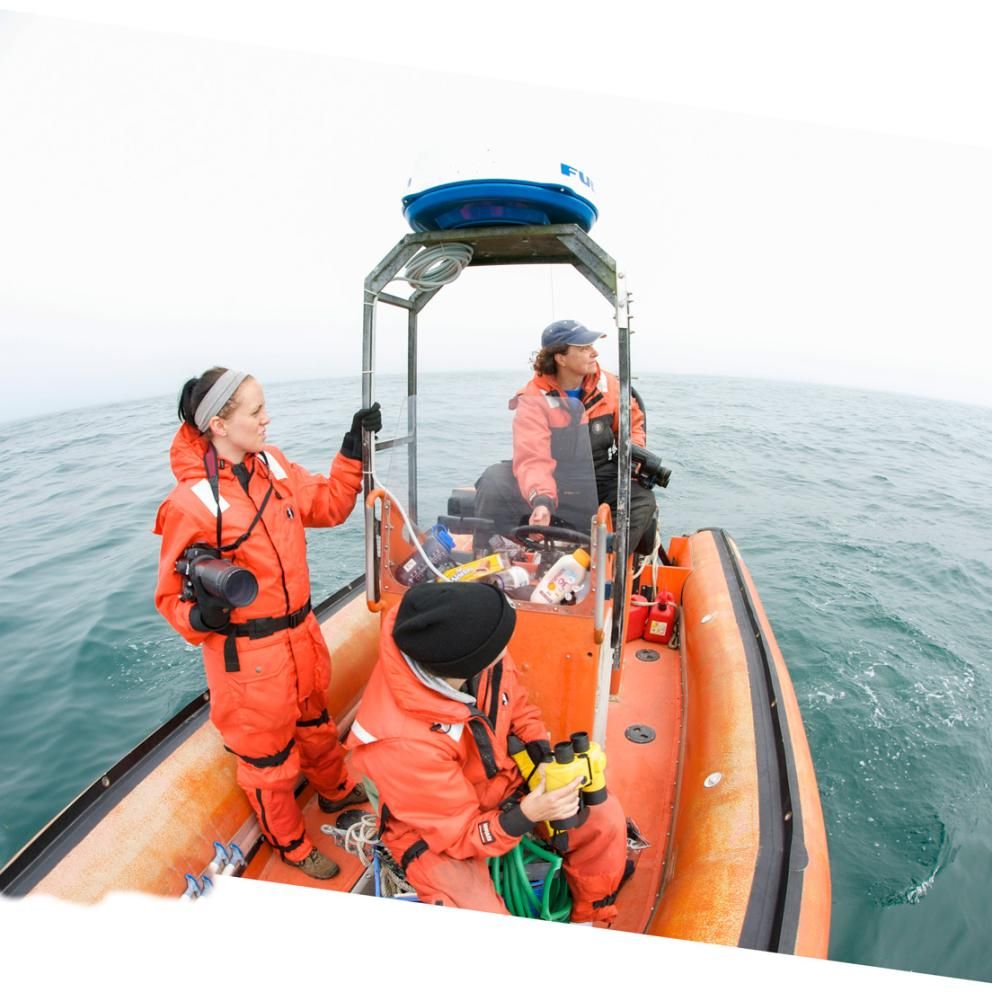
<point>546,433</point>
<point>267,690</point>
<point>559,448</point>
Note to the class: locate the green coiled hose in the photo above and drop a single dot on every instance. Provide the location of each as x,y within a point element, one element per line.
<point>509,875</point>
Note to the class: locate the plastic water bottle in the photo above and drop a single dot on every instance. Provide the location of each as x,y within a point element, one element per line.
<point>565,576</point>
<point>438,545</point>
<point>509,579</point>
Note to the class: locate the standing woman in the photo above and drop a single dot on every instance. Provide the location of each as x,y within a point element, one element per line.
<point>267,665</point>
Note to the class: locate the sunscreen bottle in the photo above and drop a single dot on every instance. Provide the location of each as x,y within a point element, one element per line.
<point>565,576</point>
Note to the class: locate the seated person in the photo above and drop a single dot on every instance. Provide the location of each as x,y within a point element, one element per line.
<point>565,435</point>
<point>431,736</point>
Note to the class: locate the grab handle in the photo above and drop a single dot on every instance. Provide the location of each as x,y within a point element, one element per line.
<point>372,600</point>
<point>599,527</point>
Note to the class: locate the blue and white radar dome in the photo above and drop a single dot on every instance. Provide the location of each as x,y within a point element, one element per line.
<point>553,190</point>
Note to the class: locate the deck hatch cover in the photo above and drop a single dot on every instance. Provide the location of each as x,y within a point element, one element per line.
<point>640,733</point>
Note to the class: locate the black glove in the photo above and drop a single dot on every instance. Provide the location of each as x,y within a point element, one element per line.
<point>539,751</point>
<point>369,418</point>
<point>208,614</point>
<point>546,501</point>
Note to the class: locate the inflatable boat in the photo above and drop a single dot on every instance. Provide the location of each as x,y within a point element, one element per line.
<point>667,660</point>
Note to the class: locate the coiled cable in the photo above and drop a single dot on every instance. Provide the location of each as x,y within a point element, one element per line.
<point>508,872</point>
<point>432,268</point>
<point>411,533</point>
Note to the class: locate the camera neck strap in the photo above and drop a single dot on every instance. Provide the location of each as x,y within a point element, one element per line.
<point>211,466</point>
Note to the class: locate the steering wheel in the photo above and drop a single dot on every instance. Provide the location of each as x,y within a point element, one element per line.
<point>549,534</point>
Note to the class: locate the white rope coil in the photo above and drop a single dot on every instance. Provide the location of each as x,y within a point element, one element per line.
<point>432,268</point>
<point>358,839</point>
<point>390,884</point>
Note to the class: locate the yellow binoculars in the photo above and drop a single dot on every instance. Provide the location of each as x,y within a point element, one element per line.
<point>578,756</point>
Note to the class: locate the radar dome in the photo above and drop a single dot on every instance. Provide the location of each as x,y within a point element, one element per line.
<point>488,190</point>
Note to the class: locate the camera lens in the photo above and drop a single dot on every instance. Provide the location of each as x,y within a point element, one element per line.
<point>228,582</point>
<point>238,586</point>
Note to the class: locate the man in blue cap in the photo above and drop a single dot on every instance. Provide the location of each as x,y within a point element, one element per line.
<point>565,430</point>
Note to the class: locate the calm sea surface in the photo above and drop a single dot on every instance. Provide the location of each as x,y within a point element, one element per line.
<point>865,519</point>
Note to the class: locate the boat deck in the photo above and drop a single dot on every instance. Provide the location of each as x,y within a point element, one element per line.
<point>642,775</point>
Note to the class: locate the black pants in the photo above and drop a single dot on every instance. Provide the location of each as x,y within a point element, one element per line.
<point>497,497</point>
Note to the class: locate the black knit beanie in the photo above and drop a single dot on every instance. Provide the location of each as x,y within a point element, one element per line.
<point>456,629</point>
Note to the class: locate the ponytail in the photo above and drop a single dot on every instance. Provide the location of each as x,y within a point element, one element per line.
<point>193,392</point>
<point>186,405</point>
<point>544,363</point>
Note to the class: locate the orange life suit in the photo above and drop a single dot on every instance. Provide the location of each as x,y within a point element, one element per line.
<point>548,432</point>
<point>565,457</point>
<point>449,790</point>
<point>268,686</point>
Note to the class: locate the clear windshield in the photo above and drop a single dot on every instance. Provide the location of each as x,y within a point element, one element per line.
<point>505,484</point>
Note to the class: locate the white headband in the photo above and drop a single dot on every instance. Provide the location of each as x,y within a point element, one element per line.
<point>217,395</point>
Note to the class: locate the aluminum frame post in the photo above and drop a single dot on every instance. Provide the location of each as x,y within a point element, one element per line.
<point>368,371</point>
<point>411,415</point>
<point>622,521</point>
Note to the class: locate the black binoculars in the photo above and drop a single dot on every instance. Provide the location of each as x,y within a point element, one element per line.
<point>647,469</point>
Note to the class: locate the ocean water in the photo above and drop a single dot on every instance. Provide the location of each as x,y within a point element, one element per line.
<point>865,519</point>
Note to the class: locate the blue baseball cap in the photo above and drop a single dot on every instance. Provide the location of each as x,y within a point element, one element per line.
<point>568,332</point>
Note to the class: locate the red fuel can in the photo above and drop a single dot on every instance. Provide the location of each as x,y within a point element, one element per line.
<point>637,617</point>
<point>659,625</point>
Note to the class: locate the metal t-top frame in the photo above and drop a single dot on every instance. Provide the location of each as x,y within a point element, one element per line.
<point>539,245</point>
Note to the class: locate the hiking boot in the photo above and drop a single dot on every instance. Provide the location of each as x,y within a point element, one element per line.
<point>316,865</point>
<point>354,798</point>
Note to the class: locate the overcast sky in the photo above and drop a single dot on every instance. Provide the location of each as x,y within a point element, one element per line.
<point>168,202</point>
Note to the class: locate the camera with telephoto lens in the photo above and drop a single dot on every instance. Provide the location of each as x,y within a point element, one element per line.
<point>647,469</point>
<point>203,568</point>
